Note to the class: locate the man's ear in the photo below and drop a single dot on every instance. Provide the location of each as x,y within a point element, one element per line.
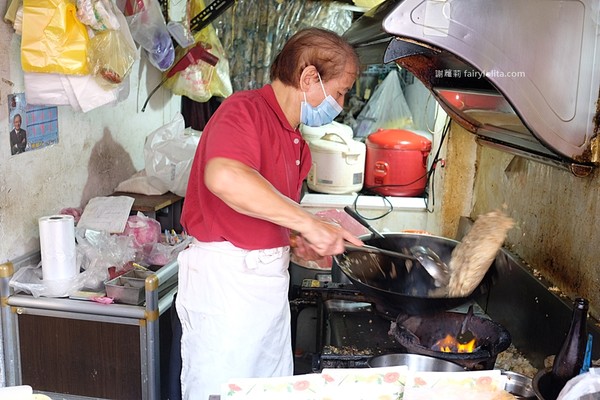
<point>309,76</point>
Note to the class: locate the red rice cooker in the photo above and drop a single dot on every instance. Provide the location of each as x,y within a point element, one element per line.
<point>396,162</point>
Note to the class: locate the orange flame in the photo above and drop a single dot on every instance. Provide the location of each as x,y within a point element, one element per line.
<point>449,344</point>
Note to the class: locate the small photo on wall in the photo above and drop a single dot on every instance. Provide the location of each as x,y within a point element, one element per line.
<point>31,127</point>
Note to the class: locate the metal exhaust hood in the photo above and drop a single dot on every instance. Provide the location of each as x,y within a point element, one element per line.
<point>523,75</point>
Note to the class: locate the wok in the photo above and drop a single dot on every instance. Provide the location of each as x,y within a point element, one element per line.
<point>398,286</point>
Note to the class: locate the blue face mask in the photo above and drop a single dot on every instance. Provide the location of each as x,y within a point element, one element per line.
<point>322,114</point>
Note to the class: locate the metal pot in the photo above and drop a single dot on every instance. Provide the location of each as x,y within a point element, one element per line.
<point>414,362</point>
<point>519,385</point>
<point>405,287</point>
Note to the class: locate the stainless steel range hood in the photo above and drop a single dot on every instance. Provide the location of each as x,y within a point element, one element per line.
<point>523,75</point>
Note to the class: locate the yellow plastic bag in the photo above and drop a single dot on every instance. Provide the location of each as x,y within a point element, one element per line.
<point>53,39</point>
<point>201,81</point>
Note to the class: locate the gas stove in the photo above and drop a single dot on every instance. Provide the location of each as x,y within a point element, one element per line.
<point>350,329</point>
<point>354,332</point>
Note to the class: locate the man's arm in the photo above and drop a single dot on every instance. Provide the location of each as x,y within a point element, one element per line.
<point>246,191</point>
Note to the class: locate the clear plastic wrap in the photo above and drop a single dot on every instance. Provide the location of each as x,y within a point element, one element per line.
<point>161,253</point>
<point>29,279</point>
<point>97,251</point>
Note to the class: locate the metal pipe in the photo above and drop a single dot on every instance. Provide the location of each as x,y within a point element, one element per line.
<point>10,342</point>
<point>83,307</point>
<point>152,332</point>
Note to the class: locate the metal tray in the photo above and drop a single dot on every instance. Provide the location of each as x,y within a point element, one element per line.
<point>128,288</point>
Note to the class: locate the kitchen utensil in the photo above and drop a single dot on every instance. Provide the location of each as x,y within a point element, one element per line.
<point>414,362</point>
<point>519,386</point>
<point>465,335</point>
<point>363,221</point>
<point>373,249</point>
<point>432,263</point>
<point>397,291</point>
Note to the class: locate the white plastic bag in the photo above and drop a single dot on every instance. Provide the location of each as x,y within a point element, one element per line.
<point>168,154</point>
<point>83,93</point>
<point>387,108</point>
<point>583,387</point>
<point>139,183</point>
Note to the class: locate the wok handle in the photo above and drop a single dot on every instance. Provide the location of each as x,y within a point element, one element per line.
<point>362,221</point>
<point>371,249</point>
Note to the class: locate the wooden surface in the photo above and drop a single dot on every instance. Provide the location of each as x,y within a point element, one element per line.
<point>146,203</point>
<point>85,358</point>
<point>89,358</point>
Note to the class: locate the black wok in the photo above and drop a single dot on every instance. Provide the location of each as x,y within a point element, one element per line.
<point>398,286</point>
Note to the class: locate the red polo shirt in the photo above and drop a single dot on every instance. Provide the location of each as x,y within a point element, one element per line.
<point>249,127</point>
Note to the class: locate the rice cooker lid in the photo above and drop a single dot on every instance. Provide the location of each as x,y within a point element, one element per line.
<point>319,131</point>
<point>335,143</point>
<point>398,139</point>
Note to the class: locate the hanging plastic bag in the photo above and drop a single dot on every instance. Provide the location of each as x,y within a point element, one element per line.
<point>97,14</point>
<point>82,93</point>
<point>387,108</point>
<point>169,153</point>
<point>201,81</point>
<point>149,30</point>
<point>111,57</point>
<point>53,39</point>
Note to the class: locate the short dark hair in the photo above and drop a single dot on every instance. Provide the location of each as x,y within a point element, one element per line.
<point>18,115</point>
<point>325,49</point>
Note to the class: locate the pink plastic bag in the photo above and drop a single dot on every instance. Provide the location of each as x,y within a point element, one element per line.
<point>145,231</point>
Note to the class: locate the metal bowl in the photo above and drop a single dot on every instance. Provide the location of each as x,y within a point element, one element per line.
<point>519,385</point>
<point>414,362</point>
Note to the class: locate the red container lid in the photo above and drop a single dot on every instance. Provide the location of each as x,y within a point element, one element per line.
<point>398,139</point>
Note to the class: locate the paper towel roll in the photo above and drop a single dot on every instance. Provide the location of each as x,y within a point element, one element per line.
<point>57,248</point>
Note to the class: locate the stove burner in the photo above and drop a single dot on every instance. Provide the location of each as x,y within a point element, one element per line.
<point>418,334</point>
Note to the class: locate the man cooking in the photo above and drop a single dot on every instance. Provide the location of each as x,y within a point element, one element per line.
<point>241,207</point>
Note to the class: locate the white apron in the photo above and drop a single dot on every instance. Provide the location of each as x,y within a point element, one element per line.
<point>235,316</point>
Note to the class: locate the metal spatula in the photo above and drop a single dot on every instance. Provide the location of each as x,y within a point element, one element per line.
<point>465,335</point>
<point>373,249</point>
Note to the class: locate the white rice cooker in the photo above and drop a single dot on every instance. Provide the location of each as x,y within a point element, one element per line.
<point>338,164</point>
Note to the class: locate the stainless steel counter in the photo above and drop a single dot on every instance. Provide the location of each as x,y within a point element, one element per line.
<point>160,288</point>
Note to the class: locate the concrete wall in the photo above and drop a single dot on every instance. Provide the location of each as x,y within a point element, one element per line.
<point>556,214</point>
<point>96,150</point>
